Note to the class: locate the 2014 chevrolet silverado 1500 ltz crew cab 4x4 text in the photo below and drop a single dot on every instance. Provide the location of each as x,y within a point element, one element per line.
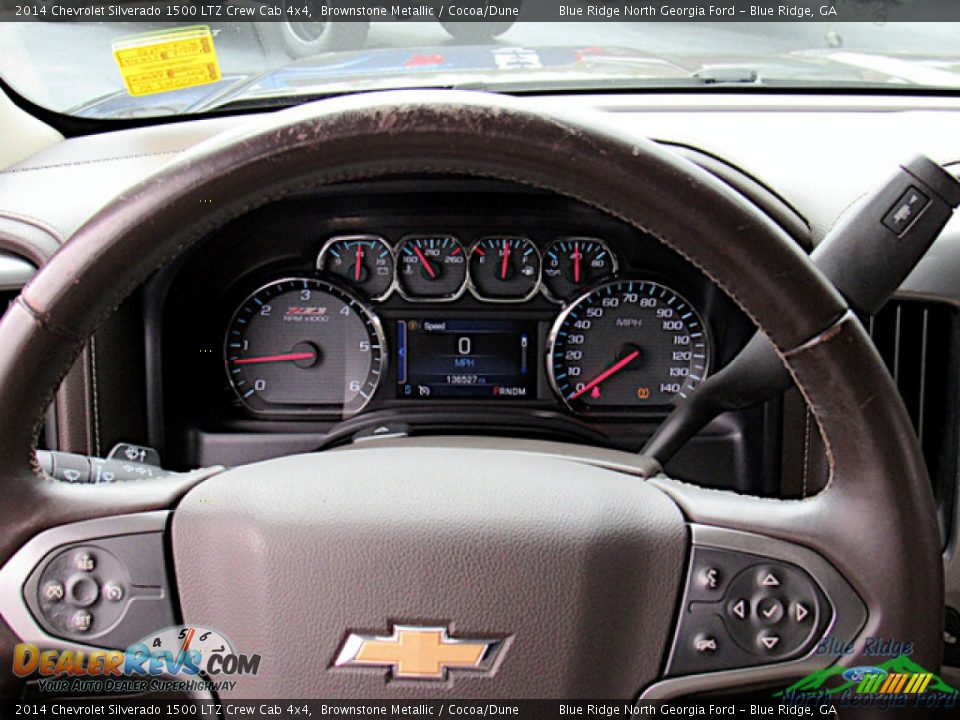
<point>540,367</point>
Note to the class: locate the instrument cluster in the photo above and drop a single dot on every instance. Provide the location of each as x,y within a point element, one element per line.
<point>436,306</point>
<point>381,320</point>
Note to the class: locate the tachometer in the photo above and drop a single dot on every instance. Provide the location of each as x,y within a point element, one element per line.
<point>627,345</point>
<point>303,345</point>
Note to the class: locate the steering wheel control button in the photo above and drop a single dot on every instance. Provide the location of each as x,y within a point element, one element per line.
<point>711,578</point>
<point>710,574</point>
<point>85,562</point>
<point>113,589</point>
<point>53,591</point>
<point>113,592</point>
<point>84,591</point>
<point>755,610</point>
<point>739,609</point>
<point>768,641</point>
<point>81,621</point>
<point>705,644</point>
<point>769,611</point>
<point>768,579</point>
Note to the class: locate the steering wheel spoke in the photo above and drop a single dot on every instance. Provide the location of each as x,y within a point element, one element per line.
<point>755,610</point>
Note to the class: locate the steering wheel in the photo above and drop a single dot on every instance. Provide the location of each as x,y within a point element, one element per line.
<point>447,567</point>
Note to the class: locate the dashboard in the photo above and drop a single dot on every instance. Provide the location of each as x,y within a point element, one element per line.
<point>159,373</point>
<point>388,303</point>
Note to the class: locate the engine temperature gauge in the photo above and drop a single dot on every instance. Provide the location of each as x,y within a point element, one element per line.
<point>504,268</point>
<point>572,264</point>
<point>431,267</point>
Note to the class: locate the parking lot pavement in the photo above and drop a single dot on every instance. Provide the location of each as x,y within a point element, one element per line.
<point>79,65</point>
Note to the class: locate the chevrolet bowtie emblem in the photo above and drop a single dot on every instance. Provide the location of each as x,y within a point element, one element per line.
<point>419,653</point>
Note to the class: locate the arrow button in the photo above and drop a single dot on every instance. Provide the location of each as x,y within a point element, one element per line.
<point>739,609</point>
<point>800,612</point>
<point>769,641</point>
<point>769,580</point>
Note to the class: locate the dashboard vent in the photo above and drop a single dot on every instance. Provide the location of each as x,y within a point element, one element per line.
<point>6,297</point>
<point>918,341</point>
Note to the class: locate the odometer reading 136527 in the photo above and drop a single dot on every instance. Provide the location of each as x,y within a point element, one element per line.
<point>627,345</point>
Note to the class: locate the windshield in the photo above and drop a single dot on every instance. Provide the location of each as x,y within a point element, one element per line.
<point>116,70</point>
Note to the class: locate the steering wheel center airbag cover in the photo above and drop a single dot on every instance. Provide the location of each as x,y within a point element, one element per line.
<point>576,568</point>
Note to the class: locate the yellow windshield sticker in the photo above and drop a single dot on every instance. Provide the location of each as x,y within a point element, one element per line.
<point>165,60</point>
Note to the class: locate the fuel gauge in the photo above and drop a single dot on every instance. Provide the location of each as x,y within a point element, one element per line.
<point>504,268</point>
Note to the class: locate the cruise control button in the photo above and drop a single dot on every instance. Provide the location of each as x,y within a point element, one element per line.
<point>705,644</point>
<point>85,562</point>
<point>800,612</point>
<point>113,592</point>
<point>53,591</point>
<point>81,621</point>
<point>739,609</point>
<point>770,611</point>
<point>768,642</point>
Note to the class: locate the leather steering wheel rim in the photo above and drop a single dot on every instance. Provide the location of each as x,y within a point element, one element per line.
<point>878,495</point>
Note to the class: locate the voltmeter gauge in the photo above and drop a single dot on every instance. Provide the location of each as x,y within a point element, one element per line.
<point>364,262</point>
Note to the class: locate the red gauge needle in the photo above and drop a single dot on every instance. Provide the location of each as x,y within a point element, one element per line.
<point>426,264</point>
<point>276,358</point>
<point>576,264</point>
<point>506,260</point>
<point>187,640</point>
<point>359,264</point>
<point>606,374</point>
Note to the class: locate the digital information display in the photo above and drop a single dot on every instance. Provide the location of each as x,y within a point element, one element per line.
<point>467,359</point>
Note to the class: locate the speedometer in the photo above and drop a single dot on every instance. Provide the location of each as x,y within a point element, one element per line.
<point>302,345</point>
<point>627,345</point>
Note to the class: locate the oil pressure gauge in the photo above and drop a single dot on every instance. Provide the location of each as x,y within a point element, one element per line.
<point>572,264</point>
